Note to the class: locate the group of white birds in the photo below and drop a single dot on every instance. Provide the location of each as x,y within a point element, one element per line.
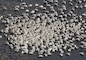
<point>48,31</point>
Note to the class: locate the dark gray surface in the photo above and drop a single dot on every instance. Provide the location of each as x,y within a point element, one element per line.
<point>7,54</point>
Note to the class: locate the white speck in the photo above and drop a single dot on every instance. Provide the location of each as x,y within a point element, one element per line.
<point>46,55</point>
<point>68,54</point>
<point>23,3</point>
<point>0,36</point>
<point>1,17</point>
<point>41,6</point>
<point>32,11</point>
<point>82,53</point>
<point>61,54</point>
<point>36,10</point>
<point>27,10</point>
<point>56,1</point>
<point>36,5</point>
<point>80,1</point>
<point>85,5</point>
<point>21,8</point>
<point>84,14</point>
<point>51,1</point>
<point>16,9</point>
<point>40,56</point>
<point>5,8</point>
<point>17,6</point>
<point>25,6</point>
<point>30,5</point>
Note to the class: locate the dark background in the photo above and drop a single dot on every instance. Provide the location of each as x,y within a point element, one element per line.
<point>7,54</point>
